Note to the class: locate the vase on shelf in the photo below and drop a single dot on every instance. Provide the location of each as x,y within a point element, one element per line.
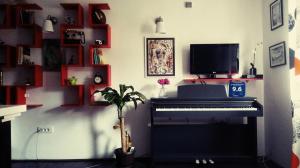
<point>162,92</point>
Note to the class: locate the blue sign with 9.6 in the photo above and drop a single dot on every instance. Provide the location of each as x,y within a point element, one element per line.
<point>237,89</point>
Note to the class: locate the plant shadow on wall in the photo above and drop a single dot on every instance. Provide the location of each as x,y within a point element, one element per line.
<point>98,132</point>
<point>91,114</point>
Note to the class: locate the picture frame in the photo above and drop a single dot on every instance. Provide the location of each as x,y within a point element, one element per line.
<point>160,56</point>
<point>52,55</point>
<point>277,54</point>
<point>276,14</point>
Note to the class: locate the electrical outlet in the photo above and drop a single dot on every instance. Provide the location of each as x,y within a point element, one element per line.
<point>45,130</point>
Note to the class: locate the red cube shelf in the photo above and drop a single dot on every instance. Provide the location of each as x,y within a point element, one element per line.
<point>77,97</point>
<point>105,71</point>
<point>19,95</point>
<point>76,11</point>
<point>8,12</point>
<point>20,19</point>
<point>98,55</point>
<point>5,96</point>
<point>7,56</point>
<point>219,80</point>
<point>104,34</point>
<point>94,98</point>
<point>33,73</point>
<point>92,8</point>
<point>77,52</point>
<point>11,95</point>
<point>37,35</point>
<point>68,42</point>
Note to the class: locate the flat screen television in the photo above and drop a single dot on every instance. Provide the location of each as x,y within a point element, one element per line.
<point>210,59</point>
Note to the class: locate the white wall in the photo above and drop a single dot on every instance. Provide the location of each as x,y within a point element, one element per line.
<point>278,118</point>
<point>86,132</point>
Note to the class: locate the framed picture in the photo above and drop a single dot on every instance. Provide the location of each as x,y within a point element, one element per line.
<point>276,14</point>
<point>160,56</point>
<point>277,54</point>
<point>52,55</point>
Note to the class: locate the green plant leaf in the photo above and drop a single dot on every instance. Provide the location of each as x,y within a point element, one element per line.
<point>135,102</point>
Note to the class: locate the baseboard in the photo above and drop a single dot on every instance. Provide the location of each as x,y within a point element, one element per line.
<point>272,164</point>
<point>268,162</point>
<point>143,159</point>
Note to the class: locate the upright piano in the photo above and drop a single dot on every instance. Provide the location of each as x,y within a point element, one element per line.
<point>203,123</point>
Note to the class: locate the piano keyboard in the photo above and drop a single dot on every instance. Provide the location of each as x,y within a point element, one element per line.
<point>206,109</point>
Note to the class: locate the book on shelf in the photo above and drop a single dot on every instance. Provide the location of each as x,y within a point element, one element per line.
<point>23,56</point>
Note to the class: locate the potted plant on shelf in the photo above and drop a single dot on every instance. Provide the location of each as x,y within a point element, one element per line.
<point>126,94</point>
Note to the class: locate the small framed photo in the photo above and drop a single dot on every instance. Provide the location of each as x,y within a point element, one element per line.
<point>160,56</point>
<point>277,54</point>
<point>276,14</point>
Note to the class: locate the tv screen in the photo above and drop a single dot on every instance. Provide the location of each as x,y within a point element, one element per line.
<point>214,59</point>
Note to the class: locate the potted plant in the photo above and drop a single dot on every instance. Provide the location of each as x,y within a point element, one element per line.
<point>126,94</point>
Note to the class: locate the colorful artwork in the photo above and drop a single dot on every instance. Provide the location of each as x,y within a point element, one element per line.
<point>160,56</point>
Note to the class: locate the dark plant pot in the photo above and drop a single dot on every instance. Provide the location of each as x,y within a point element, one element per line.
<point>124,160</point>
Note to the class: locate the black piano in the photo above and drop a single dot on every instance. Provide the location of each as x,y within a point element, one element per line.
<point>203,123</point>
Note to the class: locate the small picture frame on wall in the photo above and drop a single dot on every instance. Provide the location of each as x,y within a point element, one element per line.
<point>277,54</point>
<point>276,14</point>
<point>160,56</point>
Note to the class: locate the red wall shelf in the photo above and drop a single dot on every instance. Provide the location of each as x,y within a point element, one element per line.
<point>8,12</point>
<point>32,6</point>
<point>92,101</point>
<point>37,36</point>
<point>5,96</point>
<point>104,29</point>
<point>11,95</point>
<point>29,75</point>
<point>77,9</point>
<point>105,71</point>
<point>79,96</point>
<point>33,72</point>
<point>7,56</point>
<point>92,8</point>
<point>22,7</point>
<point>78,54</point>
<point>63,41</point>
<point>219,80</point>
<point>104,34</point>
<point>92,56</point>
